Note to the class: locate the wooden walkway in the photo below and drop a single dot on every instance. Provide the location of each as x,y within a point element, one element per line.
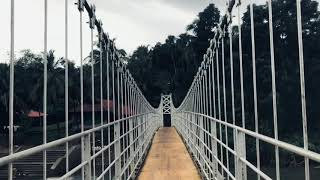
<point>168,159</point>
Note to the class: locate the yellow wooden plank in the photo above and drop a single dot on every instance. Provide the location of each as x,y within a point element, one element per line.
<point>168,158</point>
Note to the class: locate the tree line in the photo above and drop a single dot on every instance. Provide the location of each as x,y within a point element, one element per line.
<point>170,67</point>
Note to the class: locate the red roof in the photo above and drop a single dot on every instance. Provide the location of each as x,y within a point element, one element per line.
<point>35,114</point>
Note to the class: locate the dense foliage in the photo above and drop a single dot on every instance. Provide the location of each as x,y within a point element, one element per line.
<point>169,68</point>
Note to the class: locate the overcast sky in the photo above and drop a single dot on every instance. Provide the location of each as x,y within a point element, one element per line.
<point>131,22</point>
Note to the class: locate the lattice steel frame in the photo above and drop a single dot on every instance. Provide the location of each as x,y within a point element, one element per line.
<point>166,102</point>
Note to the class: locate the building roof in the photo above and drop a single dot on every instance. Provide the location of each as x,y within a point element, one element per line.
<point>35,114</point>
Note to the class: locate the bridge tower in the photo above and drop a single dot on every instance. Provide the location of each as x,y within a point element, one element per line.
<point>166,104</point>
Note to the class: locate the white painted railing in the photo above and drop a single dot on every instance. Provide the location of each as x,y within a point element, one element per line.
<point>133,122</point>
<point>124,134</point>
<point>218,144</point>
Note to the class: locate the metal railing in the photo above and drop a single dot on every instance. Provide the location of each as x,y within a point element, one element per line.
<point>215,140</point>
<point>218,145</point>
<point>125,131</point>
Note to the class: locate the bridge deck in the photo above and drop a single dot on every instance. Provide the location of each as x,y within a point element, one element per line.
<point>168,159</point>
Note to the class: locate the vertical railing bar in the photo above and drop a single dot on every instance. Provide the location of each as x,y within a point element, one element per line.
<point>11,90</point>
<point>203,103</point>
<point>241,66</point>
<point>256,118</point>
<point>224,96</point>
<point>66,86</point>
<point>195,110</point>
<point>213,85</point>
<point>121,110</point>
<point>101,99</point>
<point>128,115</point>
<point>134,120</point>
<point>45,86</point>
<point>125,115</point>
<point>214,127</point>
<point>197,117</point>
<point>92,102</point>
<point>81,93</point>
<point>207,107</point>
<point>206,112</point>
<point>274,89</point>
<point>118,125</point>
<point>131,120</point>
<point>113,95</point>
<point>219,102</point>
<point>302,89</point>
<point>199,111</point>
<point>108,101</point>
<point>244,168</point>
<point>203,112</point>
<point>232,87</point>
<point>210,110</point>
<point>200,118</point>
<point>131,125</point>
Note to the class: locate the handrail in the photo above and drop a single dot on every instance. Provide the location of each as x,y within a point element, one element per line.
<point>286,146</point>
<point>22,154</point>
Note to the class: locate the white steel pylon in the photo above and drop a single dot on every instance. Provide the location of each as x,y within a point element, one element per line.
<point>166,104</point>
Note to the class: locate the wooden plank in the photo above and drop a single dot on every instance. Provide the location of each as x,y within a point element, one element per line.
<point>168,158</point>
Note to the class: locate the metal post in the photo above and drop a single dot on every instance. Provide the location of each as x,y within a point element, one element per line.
<point>224,98</point>
<point>256,119</point>
<point>92,101</point>
<point>108,99</point>
<point>117,127</point>
<point>302,89</point>
<point>214,144</point>
<point>101,98</point>
<point>45,86</point>
<point>66,86</point>
<point>87,156</point>
<point>114,101</point>
<point>80,8</point>
<point>241,80</point>
<point>241,172</point>
<point>11,93</point>
<point>274,89</point>
<point>219,103</point>
<point>232,87</point>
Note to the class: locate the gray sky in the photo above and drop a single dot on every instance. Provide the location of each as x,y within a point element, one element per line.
<point>131,22</point>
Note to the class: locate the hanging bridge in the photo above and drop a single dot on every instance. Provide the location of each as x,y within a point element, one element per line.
<point>134,140</point>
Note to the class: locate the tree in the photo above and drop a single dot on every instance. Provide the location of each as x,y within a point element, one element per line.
<point>202,28</point>
<point>170,67</point>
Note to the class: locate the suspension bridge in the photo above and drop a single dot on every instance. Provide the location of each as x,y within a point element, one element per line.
<point>134,140</point>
